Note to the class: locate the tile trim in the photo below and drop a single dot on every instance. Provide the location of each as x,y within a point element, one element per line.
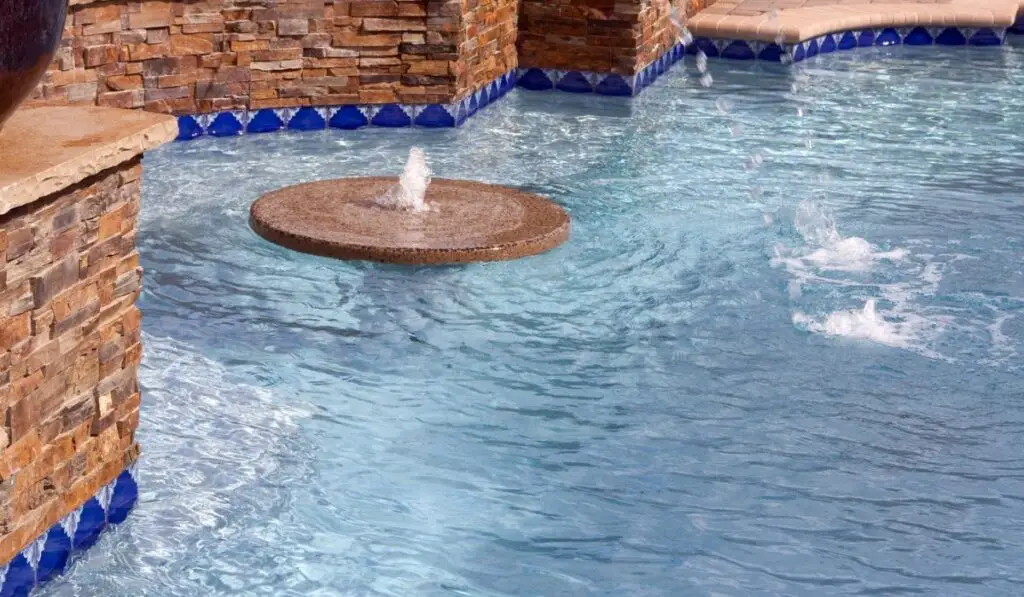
<point>738,49</point>
<point>313,118</point>
<point>575,81</point>
<point>47,557</point>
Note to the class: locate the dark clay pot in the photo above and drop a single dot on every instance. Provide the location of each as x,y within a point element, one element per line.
<point>30,31</point>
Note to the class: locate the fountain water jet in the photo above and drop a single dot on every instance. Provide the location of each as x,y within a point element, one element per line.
<point>412,219</point>
<point>410,192</point>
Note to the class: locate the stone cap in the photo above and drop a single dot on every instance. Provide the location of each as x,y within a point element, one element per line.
<point>45,149</point>
<point>801,20</point>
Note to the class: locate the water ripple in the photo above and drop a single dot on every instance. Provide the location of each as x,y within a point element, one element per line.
<point>635,413</point>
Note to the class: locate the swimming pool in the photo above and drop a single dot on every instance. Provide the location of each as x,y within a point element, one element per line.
<point>689,398</point>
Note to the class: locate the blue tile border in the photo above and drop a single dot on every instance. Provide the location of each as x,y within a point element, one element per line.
<point>48,556</point>
<point>572,81</point>
<point>314,118</point>
<point>848,40</point>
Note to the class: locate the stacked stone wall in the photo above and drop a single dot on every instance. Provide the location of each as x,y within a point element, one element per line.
<point>199,56</point>
<point>69,350</point>
<point>487,43</point>
<point>604,36</point>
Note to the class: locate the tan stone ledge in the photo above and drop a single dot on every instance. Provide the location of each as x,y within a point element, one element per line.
<point>45,149</point>
<point>795,21</point>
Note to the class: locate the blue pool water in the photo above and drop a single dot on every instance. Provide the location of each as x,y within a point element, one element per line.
<point>690,398</point>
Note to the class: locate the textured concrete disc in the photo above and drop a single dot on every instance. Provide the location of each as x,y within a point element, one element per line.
<point>468,221</point>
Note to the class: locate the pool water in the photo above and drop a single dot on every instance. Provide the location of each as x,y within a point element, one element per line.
<point>780,355</point>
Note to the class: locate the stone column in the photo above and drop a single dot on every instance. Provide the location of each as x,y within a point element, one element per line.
<point>598,36</point>
<point>69,330</point>
<point>488,30</point>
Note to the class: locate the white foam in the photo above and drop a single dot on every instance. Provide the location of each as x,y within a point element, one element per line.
<point>825,249</point>
<point>825,252</point>
<point>865,324</point>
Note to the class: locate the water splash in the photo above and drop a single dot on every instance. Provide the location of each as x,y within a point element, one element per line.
<point>825,252</point>
<point>411,191</point>
<point>865,324</point>
<point>826,249</point>
<point>684,37</point>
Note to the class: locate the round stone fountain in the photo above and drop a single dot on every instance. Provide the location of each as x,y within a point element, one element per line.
<point>410,220</point>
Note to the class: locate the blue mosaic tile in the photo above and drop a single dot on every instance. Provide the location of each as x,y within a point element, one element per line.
<point>535,79</point>
<point>643,80</point>
<point>574,82</point>
<point>189,128</point>
<point>391,116</point>
<point>707,46</point>
<point>739,50</point>
<point>799,53</point>
<point>307,118</point>
<point>48,556</point>
<point>19,577</point>
<point>918,36</point>
<point>56,553</point>
<point>951,36</point>
<point>615,85</point>
<point>847,41</point>
<point>90,524</point>
<point>888,37</point>
<point>984,37</point>
<point>348,118</point>
<point>507,83</point>
<point>435,116</point>
<point>771,52</point>
<point>226,124</point>
<point>827,44</point>
<point>812,48</point>
<point>264,121</point>
<point>124,498</point>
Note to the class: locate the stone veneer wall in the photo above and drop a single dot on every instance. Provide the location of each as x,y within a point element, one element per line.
<point>199,56</point>
<point>69,274</point>
<point>487,43</point>
<point>604,36</point>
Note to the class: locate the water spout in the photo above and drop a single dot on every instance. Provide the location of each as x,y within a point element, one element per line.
<point>410,192</point>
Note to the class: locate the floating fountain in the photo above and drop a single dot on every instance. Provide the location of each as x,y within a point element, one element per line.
<point>412,220</point>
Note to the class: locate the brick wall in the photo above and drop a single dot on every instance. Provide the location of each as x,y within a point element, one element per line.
<point>197,56</point>
<point>606,36</point>
<point>69,350</point>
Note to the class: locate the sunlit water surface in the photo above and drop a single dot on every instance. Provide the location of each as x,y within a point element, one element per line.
<point>780,355</point>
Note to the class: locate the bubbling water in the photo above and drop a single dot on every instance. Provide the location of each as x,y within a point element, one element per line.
<point>862,324</point>
<point>826,249</point>
<point>411,191</point>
